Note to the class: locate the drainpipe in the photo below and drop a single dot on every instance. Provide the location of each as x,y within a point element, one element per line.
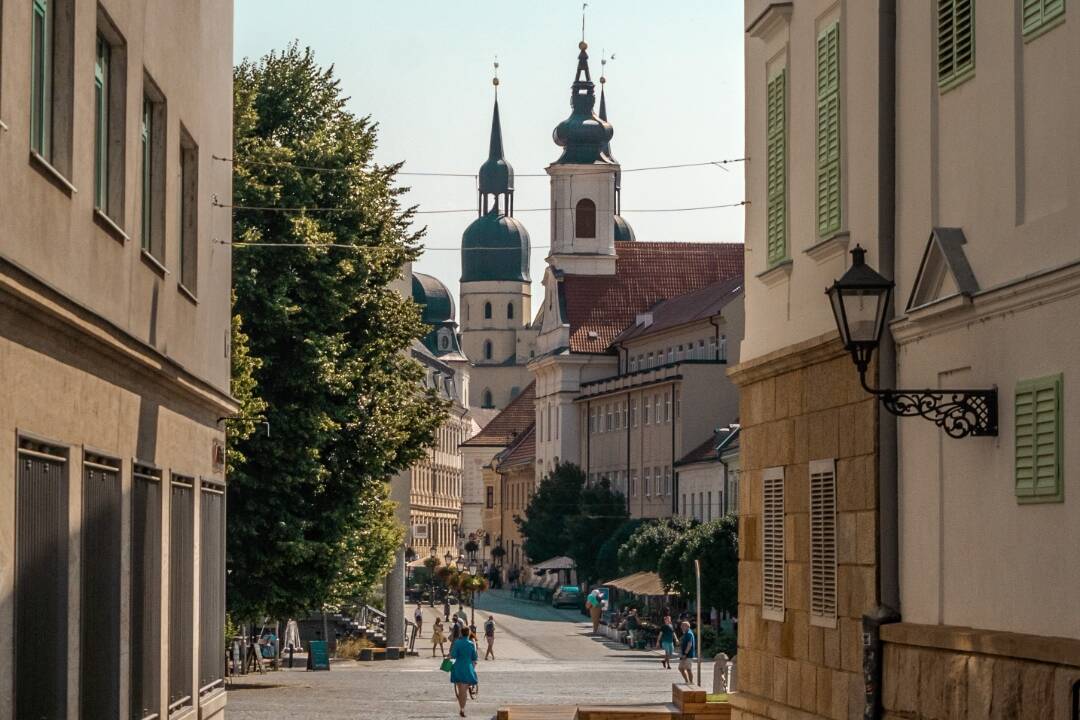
<point>629,395</point>
<point>673,408</point>
<point>588,439</point>
<point>888,586</point>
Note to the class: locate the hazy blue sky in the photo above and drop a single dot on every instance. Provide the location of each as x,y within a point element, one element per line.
<point>422,69</point>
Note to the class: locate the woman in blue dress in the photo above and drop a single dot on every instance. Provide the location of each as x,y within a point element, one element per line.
<point>463,674</point>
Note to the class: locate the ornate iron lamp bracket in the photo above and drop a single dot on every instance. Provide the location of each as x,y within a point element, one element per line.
<point>960,413</point>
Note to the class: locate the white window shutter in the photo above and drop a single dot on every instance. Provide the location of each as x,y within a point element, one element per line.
<point>823,543</point>
<point>772,524</point>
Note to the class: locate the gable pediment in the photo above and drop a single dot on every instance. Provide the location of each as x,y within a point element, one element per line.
<point>944,272</point>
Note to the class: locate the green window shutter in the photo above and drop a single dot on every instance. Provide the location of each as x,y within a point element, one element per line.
<point>776,170</point>
<point>1038,471</point>
<point>1037,15</point>
<point>956,41</point>
<point>828,130</point>
<point>147,176</point>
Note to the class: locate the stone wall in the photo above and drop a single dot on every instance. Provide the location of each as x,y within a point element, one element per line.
<point>936,671</point>
<point>800,404</point>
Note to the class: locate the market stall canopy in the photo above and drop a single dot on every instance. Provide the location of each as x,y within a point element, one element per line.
<point>556,563</point>
<point>640,583</point>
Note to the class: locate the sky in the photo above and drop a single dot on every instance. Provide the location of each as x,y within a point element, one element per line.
<point>422,69</point>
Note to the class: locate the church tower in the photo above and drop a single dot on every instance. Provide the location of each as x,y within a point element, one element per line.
<point>496,290</point>
<point>585,184</point>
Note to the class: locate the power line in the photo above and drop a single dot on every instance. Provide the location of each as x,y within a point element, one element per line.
<point>416,173</point>
<point>300,209</point>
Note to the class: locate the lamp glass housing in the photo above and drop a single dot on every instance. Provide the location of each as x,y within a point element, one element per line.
<point>860,304</point>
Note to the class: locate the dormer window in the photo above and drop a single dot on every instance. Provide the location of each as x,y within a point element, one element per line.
<point>585,219</point>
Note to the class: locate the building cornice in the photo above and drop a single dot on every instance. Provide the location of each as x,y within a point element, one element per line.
<point>802,354</point>
<point>1041,288</point>
<point>21,289</point>
<point>775,16</point>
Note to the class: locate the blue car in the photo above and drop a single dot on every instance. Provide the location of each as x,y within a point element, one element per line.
<point>567,596</point>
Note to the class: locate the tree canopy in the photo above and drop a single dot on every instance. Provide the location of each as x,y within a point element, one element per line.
<point>564,517</point>
<point>309,517</point>
<point>643,549</point>
<point>715,544</point>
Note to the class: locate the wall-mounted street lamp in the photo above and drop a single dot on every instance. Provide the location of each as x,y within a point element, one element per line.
<point>860,303</point>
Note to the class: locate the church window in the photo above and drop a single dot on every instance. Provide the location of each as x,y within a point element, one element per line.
<point>486,400</point>
<point>487,311</point>
<point>585,219</point>
<point>509,311</point>
<point>488,350</point>
<point>444,341</point>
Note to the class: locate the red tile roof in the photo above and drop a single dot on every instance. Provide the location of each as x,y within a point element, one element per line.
<point>697,305</point>
<point>514,419</point>
<point>522,451</point>
<point>599,307</point>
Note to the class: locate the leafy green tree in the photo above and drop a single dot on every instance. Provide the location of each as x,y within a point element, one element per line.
<point>642,550</point>
<point>715,544</point>
<point>308,505</point>
<point>543,528</point>
<point>244,389</point>
<point>602,511</point>
<point>607,557</point>
<point>566,517</point>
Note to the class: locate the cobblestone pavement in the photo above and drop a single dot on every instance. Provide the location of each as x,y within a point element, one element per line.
<point>543,655</point>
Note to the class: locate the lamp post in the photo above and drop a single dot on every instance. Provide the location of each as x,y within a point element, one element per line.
<point>434,562</point>
<point>860,305</point>
<point>472,594</point>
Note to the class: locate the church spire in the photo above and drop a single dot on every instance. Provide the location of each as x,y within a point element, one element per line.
<point>582,135</point>
<point>496,176</point>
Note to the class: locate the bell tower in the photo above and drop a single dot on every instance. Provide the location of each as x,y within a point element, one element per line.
<point>496,290</point>
<point>584,183</point>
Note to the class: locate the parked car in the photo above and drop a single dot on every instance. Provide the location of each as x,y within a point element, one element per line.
<point>567,596</point>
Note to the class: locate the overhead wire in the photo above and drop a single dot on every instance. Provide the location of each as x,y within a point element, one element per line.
<point>302,209</point>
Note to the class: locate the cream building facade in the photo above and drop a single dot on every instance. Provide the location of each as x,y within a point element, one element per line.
<point>668,396</point>
<point>815,450</point>
<point>114,349</point>
<point>987,272</point>
<point>709,477</point>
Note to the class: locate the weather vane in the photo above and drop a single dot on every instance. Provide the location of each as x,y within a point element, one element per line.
<point>583,6</point>
<point>495,80</point>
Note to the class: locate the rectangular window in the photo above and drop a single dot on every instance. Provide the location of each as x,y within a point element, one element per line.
<point>633,364</point>
<point>1039,440</point>
<point>145,592</point>
<point>678,404</point>
<point>610,419</point>
<point>708,507</point>
<point>823,543</point>
<point>1040,15</point>
<point>624,415</point>
<point>772,547</point>
<point>181,582</point>
<point>152,172</point>
<point>189,212</point>
<point>667,481</point>
<point>101,126</point>
<point>633,483</point>
<point>828,130</point>
<point>776,170</point>
<point>490,492</point>
<point>683,506</point>
<point>667,408</point>
<point>41,78</point>
<point>693,506</point>
<point>647,482</point>
<point>956,42</point>
<point>646,409</point>
<point>211,587</point>
<point>592,420</point>
<point>670,355</point>
<point>633,413</point>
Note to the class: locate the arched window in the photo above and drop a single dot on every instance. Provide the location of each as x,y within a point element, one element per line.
<point>585,220</point>
<point>444,341</point>
<point>487,311</point>
<point>486,400</point>
<point>509,311</point>
<point>487,350</point>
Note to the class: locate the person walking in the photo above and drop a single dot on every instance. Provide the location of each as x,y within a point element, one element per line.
<point>438,638</point>
<point>463,674</point>
<point>446,609</point>
<point>666,640</point>
<point>687,652</point>
<point>489,635</point>
<point>418,618</point>
<point>596,610</point>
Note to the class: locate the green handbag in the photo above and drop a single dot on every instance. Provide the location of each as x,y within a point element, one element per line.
<point>447,665</point>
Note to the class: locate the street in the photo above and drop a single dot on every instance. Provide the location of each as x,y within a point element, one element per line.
<point>544,656</point>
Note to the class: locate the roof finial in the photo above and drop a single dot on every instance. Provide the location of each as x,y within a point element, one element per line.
<point>583,6</point>
<point>495,80</point>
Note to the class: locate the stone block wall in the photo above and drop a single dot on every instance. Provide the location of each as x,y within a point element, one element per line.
<point>934,671</point>
<point>800,404</point>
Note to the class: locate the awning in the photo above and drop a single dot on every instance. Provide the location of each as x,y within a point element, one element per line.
<point>417,563</point>
<point>640,583</point>
<point>556,563</point>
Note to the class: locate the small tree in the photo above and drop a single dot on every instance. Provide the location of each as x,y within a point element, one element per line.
<point>643,549</point>
<point>715,544</point>
<point>607,558</point>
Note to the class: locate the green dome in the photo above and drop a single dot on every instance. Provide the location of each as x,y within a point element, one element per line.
<point>623,231</point>
<point>495,247</point>
<point>431,295</point>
